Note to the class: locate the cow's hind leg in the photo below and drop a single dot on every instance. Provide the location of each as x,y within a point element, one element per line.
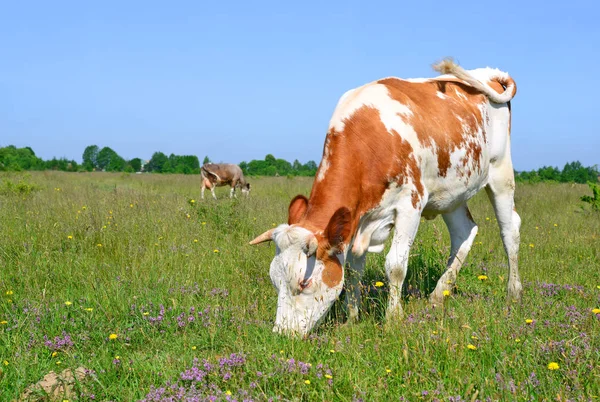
<point>462,230</point>
<point>354,271</point>
<point>501,194</point>
<point>396,262</point>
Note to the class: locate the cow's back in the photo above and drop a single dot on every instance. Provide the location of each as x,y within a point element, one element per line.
<point>433,135</point>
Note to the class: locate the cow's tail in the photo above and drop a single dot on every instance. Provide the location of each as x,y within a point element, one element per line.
<point>448,66</point>
<point>208,174</point>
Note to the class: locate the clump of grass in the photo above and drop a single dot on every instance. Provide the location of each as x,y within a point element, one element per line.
<point>22,187</point>
<point>594,199</point>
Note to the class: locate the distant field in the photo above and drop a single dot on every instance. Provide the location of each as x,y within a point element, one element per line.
<point>89,255</point>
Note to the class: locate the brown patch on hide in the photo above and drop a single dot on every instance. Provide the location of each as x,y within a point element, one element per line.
<point>443,124</point>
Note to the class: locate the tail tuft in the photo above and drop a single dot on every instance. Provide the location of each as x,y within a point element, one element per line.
<point>448,66</point>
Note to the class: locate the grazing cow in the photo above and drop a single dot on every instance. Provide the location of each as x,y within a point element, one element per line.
<point>397,150</point>
<point>222,174</point>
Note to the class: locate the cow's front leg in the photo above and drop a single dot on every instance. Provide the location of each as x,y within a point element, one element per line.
<point>396,262</point>
<point>354,272</point>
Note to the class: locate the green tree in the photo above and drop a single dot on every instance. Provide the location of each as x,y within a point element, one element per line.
<point>206,160</point>
<point>90,157</point>
<point>549,173</point>
<point>136,164</point>
<point>157,162</point>
<point>297,166</point>
<point>104,157</point>
<point>17,159</point>
<point>244,167</point>
<point>116,164</point>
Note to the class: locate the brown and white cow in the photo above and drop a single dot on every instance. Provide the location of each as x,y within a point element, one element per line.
<point>223,174</point>
<point>397,150</point>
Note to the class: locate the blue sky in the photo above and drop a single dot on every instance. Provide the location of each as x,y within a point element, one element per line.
<point>237,80</point>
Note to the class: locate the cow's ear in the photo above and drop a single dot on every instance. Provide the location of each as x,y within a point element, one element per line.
<point>297,209</point>
<point>338,228</point>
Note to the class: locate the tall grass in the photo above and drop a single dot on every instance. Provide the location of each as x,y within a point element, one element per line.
<point>84,256</point>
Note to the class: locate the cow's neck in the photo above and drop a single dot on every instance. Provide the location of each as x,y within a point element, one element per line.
<point>335,190</point>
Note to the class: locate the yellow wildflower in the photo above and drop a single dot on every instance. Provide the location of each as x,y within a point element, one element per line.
<point>434,332</point>
<point>99,244</point>
<point>195,240</point>
<point>54,354</point>
<point>331,351</point>
<point>487,218</point>
<point>529,321</point>
<point>474,337</point>
<point>216,250</point>
<point>89,309</point>
<point>482,277</point>
<point>378,284</point>
<point>70,237</point>
<point>281,351</point>
<point>3,322</point>
<point>446,293</point>
<point>517,340</point>
<point>145,313</point>
<point>531,245</point>
<point>192,201</point>
<point>58,363</point>
<point>204,223</point>
<point>471,347</point>
<point>84,207</point>
<point>113,336</point>
<point>5,362</point>
<point>193,348</point>
<point>9,292</point>
<point>553,366</point>
<point>228,392</point>
<point>328,376</point>
<point>130,205</point>
<point>556,225</point>
<point>307,382</point>
<point>596,311</point>
<point>68,303</point>
<point>387,370</point>
<point>117,357</point>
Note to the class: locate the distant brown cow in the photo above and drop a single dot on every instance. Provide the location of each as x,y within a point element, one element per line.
<point>222,174</point>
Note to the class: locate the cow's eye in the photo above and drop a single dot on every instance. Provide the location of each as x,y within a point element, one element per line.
<point>306,250</point>
<point>304,283</point>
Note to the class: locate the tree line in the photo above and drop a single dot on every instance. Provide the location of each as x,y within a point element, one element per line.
<point>106,159</point>
<point>573,172</point>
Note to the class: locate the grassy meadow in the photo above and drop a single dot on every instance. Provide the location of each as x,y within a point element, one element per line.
<point>158,295</point>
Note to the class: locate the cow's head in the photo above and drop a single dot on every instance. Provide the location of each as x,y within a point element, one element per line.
<point>246,189</point>
<point>307,270</point>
